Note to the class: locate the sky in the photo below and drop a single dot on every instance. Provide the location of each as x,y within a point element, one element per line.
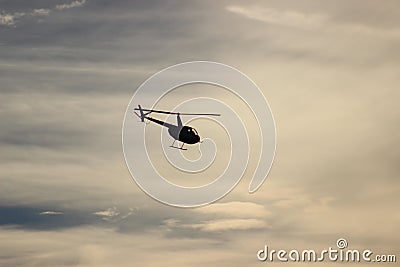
<point>329,69</point>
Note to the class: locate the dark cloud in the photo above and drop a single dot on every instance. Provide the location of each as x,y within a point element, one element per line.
<point>129,32</point>
<point>23,6</point>
<point>57,217</point>
<point>35,218</point>
<point>45,136</point>
<point>121,219</point>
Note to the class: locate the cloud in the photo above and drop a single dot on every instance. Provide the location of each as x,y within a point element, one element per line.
<point>11,19</point>
<point>41,12</point>
<point>71,5</point>
<point>231,225</point>
<point>286,18</point>
<point>235,209</point>
<point>221,217</point>
<point>107,214</point>
<point>218,225</point>
<point>65,86</point>
<point>128,214</point>
<point>8,19</point>
<point>51,213</point>
<point>33,217</point>
<point>310,21</point>
<point>99,247</point>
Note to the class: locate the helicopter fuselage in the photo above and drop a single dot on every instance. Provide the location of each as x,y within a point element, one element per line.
<point>185,134</point>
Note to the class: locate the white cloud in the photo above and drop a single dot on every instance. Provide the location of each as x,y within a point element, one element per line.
<point>285,18</point>
<point>6,19</point>
<point>71,5</point>
<point>228,216</point>
<point>40,12</point>
<point>51,213</point>
<point>309,21</point>
<point>10,19</point>
<point>219,225</point>
<point>131,211</point>
<point>171,223</point>
<point>231,224</point>
<point>235,209</point>
<point>107,214</point>
<point>113,213</point>
<point>235,216</point>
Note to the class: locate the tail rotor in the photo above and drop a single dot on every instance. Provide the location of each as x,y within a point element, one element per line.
<point>142,116</point>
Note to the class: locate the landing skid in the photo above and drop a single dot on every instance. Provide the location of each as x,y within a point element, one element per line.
<point>177,147</point>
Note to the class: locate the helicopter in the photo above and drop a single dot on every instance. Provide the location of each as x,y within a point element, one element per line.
<point>183,133</point>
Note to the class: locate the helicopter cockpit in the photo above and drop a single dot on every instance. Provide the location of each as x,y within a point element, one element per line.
<point>189,130</point>
<point>193,130</point>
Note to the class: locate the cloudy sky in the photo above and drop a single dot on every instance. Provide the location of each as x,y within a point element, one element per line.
<point>329,69</point>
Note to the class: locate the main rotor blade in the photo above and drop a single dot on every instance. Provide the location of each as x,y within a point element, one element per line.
<point>178,113</point>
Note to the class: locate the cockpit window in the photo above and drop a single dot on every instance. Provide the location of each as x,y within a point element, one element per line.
<point>190,130</point>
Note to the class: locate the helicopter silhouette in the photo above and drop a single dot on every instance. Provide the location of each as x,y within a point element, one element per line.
<point>180,132</point>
